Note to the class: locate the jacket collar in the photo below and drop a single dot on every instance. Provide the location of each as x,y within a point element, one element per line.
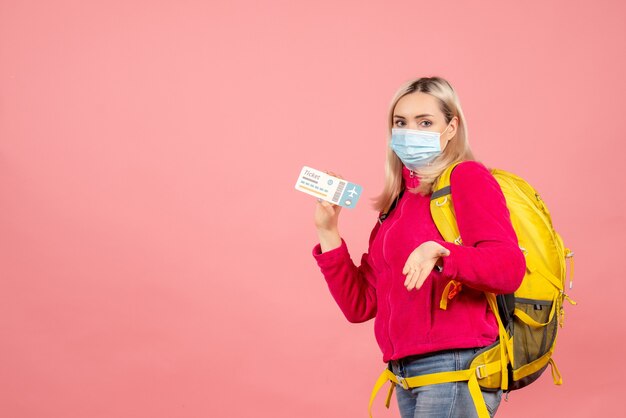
<point>411,179</point>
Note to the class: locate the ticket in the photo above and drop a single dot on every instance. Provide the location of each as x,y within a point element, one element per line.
<point>327,187</point>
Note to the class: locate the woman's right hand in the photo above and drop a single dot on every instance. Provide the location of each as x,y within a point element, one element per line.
<point>326,216</point>
<point>326,219</point>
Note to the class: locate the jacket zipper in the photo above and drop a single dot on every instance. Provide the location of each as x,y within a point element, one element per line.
<point>395,221</point>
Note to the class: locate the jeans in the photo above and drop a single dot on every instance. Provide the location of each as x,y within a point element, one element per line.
<point>444,400</point>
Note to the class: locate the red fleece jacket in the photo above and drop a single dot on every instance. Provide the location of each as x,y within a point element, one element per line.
<point>411,322</point>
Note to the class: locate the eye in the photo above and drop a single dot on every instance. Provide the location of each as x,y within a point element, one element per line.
<point>399,123</point>
<point>426,123</point>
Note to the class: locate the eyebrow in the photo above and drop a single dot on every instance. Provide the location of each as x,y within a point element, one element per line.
<point>416,117</point>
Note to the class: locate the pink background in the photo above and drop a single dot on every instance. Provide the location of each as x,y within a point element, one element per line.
<point>146,273</point>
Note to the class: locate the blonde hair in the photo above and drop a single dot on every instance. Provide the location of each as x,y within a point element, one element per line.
<point>457,149</point>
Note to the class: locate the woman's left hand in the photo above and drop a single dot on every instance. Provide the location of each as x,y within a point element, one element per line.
<point>421,262</point>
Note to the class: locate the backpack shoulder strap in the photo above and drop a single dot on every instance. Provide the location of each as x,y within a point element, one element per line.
<point>441,208</point>
<point>383,215</point>
<point>442,212</point>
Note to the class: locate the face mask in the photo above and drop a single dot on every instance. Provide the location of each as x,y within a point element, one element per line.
<point>414,147</point>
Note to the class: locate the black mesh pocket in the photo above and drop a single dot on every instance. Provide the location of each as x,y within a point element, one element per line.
<point>531,342</point>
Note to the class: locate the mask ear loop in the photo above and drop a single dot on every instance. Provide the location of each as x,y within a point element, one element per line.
<point>444,131</point>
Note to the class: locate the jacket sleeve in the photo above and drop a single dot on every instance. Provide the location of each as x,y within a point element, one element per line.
<point>352,287</point>
<point>489,258</point>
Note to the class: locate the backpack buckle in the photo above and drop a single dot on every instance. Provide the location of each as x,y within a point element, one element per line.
<point>480,370</point>
<point>402,382</point>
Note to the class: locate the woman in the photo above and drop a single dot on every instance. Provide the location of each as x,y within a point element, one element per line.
<point>402,277</point>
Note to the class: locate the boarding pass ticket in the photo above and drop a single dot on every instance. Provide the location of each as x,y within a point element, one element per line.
<point>327,187</point>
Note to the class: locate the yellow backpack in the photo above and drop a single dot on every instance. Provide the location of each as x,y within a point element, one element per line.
<point>528,320</point>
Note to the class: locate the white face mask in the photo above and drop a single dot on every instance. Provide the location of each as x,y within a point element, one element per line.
<point>416,148</point>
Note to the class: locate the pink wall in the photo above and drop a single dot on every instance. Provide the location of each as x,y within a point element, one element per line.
<point>145,273</point>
